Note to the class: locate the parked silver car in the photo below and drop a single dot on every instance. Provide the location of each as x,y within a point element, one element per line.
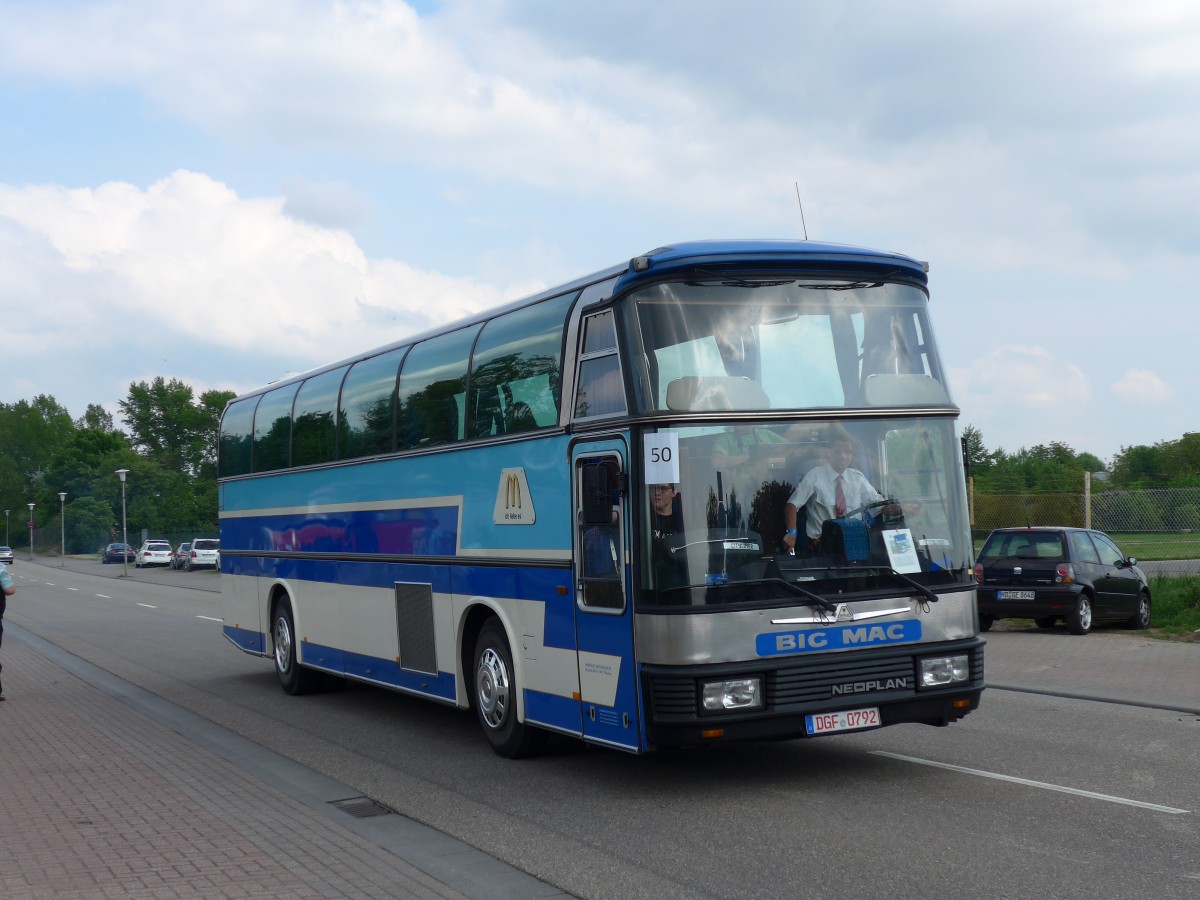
<point>179,560</point>
<point>153,553</point>
<point>203,553</point>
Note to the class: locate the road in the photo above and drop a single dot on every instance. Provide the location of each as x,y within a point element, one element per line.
<point>1031,796</point>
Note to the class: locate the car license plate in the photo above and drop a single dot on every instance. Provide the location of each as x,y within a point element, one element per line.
<point>846,720</point>
<point>1016,595</point>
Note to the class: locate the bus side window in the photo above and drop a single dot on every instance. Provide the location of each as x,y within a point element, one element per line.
<point>366,407</point>
<point>314,426</point>
<point>273,429</point>
<point>237,431</point>
<point>599,390</point>
<point>431,390</point>
<point>599,523</point>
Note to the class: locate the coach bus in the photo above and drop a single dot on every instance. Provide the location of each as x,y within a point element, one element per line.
<point>571,513</point>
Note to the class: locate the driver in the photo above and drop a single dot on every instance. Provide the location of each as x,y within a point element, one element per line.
<point>830,489</point>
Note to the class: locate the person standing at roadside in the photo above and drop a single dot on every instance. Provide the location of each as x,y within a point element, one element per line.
<point>7,589</point>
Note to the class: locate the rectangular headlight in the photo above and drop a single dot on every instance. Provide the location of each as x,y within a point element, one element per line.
<point>940,670</point>
<point>735,693</point>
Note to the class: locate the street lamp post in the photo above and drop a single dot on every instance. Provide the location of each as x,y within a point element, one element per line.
<point>7,540</point>
<point>31,506</point>
<point>62,521</point>
<point>121,473</point>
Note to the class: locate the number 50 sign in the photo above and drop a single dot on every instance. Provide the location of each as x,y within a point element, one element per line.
<point>661,464</point>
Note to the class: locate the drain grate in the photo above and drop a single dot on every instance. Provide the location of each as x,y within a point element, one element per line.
<point>361,807</point>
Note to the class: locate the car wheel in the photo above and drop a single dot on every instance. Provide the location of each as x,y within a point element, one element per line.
<point>1080,619</point>
<point>1045,621</point>
<point>294,678</point>
<point>495,697</point>
<point>986,622</point>
<point>1141,619</point>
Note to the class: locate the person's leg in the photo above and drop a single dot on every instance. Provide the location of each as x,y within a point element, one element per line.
<point>3,604</point>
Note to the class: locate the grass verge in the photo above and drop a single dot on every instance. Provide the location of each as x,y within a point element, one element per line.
<point>1176,604</point>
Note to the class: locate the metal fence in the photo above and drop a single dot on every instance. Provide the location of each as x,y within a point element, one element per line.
<point>1158,526</point>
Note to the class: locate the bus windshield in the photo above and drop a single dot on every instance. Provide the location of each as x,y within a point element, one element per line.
<point>741,343</point>
<point>877,508</point>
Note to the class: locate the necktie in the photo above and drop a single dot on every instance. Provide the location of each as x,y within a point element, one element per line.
<point>839,497</point>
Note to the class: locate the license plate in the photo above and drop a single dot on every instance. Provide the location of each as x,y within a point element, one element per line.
<point>846,720</point>
<point>1016,595</point>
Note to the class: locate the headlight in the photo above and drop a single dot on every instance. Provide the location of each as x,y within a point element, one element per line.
<point>939,670</point>
<point>736,693</point>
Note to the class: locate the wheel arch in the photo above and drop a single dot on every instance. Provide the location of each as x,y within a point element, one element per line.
<point>477,613</point>
<point>277,592</point>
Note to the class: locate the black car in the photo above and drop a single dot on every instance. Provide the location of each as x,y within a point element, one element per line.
<point>1047,574</point>
<point>115,553</point>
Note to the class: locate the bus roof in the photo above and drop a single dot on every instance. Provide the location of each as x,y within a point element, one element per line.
<point>690,254</point>
<point>652,266</point>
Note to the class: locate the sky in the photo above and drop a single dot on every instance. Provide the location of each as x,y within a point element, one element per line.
<point>228,191</point>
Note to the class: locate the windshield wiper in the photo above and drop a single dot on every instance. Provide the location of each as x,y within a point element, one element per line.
<point>827,605</point>
<point>925,592</point>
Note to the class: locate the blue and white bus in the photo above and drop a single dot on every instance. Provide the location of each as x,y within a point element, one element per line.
<point>570,514</point>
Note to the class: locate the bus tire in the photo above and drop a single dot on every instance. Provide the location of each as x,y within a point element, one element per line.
<point>494,696</point>
<point>293,677</point>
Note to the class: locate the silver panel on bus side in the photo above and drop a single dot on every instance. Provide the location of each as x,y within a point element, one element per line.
<point>724,637</point>
<point>593,293</point>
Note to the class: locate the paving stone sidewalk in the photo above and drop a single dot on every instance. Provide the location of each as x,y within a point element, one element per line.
<point>98,800</point>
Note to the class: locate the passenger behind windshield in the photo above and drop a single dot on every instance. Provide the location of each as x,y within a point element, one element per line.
<point>666,519</point>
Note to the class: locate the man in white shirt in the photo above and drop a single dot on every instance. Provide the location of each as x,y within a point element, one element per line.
<point>829,490</point>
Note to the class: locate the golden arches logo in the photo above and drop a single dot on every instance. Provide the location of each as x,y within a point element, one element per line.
<point>512,491</point>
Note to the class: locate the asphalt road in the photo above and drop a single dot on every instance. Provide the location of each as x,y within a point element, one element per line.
<point>1031,796</point>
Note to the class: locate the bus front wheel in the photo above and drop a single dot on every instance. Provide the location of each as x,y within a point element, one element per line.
<point>294,678</point>
<point>495,696</point>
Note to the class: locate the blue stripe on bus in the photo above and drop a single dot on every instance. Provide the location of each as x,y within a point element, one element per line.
<point>472,473</point>
<point>429,530</point>
<point>564,713</point>
<point>250,641</point>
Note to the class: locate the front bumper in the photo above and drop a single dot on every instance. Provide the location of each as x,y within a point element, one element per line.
<point>1048,601</point>
<point>796,687</point>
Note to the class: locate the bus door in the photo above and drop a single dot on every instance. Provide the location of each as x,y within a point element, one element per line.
<point>603,619</point>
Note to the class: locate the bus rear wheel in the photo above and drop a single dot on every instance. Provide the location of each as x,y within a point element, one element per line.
<point>495,696</point>
<point>293,677</point>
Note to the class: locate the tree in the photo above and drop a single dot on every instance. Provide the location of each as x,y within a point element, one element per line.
<point>31,434</point>
<point>979,460</point>
<point>165,425</point>
<point>96,418</point>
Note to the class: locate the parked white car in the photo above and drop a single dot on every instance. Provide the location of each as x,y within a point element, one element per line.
<point>153,553</point>
<point>203,553</point>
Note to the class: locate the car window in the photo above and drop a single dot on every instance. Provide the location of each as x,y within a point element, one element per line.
<point>1082,546</point>
<point>1110,554</point>
<point>205,545</point>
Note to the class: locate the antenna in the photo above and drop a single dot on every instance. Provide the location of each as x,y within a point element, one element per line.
<point>802,222</point>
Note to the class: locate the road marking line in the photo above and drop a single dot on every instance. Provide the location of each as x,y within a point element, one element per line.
<point>210,618</point>
<point>105,596</point>
<point>1028,783</point>
<point>147,605</point>
<point>72,589</point>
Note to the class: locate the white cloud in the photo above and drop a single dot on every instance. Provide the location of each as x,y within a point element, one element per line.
<point>1141,386</point>
<point>1030,379</point>
<point>187,260</point>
